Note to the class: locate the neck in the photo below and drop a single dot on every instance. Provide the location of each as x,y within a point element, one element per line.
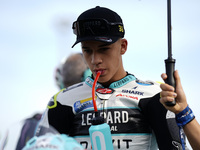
<point>121,76</point>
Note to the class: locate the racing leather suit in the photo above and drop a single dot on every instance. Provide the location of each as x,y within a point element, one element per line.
<point>136,117</point>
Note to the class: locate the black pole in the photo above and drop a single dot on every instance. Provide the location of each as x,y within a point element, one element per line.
<point>169,29</point>
<point>170,62</point>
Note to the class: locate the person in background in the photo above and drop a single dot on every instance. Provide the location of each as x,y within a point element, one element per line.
<point>28,130</point>
<point>73,70</point>
<point>185,118</point>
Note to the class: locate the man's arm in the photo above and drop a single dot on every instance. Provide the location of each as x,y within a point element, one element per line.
<point>184,114</point>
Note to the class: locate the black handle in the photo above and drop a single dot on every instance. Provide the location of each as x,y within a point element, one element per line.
<point>170,67</point>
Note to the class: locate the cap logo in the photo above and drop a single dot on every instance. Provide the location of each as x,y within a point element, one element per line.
<point>91,23</point>
<point>121,29</point>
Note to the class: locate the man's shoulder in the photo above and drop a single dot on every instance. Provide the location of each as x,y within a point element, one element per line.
<point>73,88</point>
<point>72,93</point>
<point>142,82</point>
<point>148,83</point>
<point>145,83</point>
<point>148,88</point>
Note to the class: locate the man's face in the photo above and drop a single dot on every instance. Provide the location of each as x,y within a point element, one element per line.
<point>105,58</point>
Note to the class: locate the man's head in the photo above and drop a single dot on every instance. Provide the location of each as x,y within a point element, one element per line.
<point>98,24</point>
<point>73,70</point>
<point>100,31</point>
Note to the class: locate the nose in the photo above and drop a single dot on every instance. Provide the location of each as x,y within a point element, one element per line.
<point>96,58</point>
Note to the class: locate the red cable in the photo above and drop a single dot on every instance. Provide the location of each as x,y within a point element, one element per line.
<point>93,90</point>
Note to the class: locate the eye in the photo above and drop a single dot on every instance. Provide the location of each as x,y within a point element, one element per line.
<point>87,51</point>
<point>104,49</point>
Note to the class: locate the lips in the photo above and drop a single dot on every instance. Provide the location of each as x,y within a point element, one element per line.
<point>101,70</point>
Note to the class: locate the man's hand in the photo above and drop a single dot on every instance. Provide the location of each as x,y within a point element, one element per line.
<point>168,94</point>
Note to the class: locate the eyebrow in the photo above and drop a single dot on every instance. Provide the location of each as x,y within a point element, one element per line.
<point>85,47</point>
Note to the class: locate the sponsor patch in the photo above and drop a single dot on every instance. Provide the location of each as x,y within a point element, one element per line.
<point>135,87</point>
<point>104,93</point>
<point>145,83</point>
<point>104,90</point>
<point>83,104</point>
<point>133,92</point>
<point>127,96</point>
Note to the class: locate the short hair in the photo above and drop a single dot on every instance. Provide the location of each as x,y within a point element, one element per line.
<point>71,71</point>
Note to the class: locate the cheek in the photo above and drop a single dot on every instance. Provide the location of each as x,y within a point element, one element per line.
<point>115,62</point>
<point>86,57</point>
<point>88,62</point>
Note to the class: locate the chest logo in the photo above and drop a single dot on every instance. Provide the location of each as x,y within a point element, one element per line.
<point>104,90</point>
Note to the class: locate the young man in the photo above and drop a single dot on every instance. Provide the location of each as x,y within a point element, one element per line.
<point>132,108</point>
<point>184,115</point>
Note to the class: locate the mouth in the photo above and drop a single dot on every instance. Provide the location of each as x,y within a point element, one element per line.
<point>99,70</point>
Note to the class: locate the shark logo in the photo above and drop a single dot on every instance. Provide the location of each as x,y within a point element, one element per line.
<point>135,87</point>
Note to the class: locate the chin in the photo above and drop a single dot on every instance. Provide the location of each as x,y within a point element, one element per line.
<point>104,81</point>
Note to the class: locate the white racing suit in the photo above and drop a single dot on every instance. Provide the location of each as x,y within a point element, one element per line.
<point>136,117</point>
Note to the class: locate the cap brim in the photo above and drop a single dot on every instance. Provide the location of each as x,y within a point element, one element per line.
<point>104,39</point>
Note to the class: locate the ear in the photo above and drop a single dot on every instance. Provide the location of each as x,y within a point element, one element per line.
<point>124,44</point>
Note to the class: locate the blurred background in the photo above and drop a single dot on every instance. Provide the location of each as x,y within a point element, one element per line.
<point>36,35</point>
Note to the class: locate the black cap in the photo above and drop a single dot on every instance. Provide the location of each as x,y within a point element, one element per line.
<point>98,24</point>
